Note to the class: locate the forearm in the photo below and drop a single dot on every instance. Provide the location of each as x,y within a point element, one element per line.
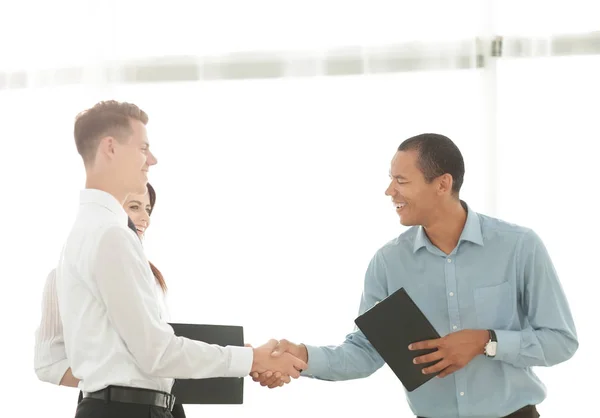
<point>50,358</point>
<point>550,336</point>
<point>354,359</point>
<point>51,372</point>
<point>529,347</point>
<point>69,380</point>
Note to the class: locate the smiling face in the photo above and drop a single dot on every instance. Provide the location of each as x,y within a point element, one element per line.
<point>133,158</point>
<point>138,208</point>
<point>414,198</point>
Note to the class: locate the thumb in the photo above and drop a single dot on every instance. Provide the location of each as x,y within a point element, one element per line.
<point>281,348</point>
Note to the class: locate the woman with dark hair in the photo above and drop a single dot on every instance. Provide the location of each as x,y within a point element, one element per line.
<point>51,363</point>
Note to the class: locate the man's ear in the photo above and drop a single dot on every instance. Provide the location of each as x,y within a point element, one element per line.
<point>107,146</point>
<point>445,182</point>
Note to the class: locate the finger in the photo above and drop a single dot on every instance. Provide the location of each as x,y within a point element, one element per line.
<point>281,348</point>
<point>269,382</point>
<point>437,367</point>
<point>248,345</point>
<point>263,380</point>
<point>447,371</point>
<point>428,358</point>
<point>276,384</point>
<point>424,345</point>
<point>272,343</point>
<point>282,380</point>
<point>299,364</point>
<point>262,377</point>
<point>293,372</point>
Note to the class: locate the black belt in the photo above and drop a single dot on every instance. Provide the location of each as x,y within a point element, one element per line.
<point>133,395</point>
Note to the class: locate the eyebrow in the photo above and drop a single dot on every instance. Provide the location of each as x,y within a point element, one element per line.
<point>398,176</point>
<point>134,201</point>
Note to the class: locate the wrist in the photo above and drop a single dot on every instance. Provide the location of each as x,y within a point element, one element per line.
<point>303,353</point>
<point>491,347</point>
<point>484,338</point>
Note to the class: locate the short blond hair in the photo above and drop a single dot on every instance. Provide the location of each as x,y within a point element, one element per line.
<point>106,118</point>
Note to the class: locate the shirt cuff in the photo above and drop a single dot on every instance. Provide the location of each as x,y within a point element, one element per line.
<point>509,344</point>
<point>318,363</point>
<point>240,363</point>
<point>54,372</point>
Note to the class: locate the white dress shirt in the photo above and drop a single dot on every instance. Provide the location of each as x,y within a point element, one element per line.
<point>50,358</point>
<point>111,315</point>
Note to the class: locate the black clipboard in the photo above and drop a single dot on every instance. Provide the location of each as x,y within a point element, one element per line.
<point>390,326</point>
<point>218,390</point>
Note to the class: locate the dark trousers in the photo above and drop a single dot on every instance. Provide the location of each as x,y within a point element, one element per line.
<point>528,411</point>
<point>91,409</point>
<point>97,408</point>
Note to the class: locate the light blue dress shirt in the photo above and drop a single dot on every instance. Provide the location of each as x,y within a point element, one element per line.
<point>499,277</point>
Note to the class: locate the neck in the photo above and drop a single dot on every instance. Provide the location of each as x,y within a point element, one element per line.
<point>445,230</point>
<point>103,182</point>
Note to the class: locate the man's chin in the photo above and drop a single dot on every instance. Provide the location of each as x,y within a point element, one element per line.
<point>406,222</point>
<point>142,189</point>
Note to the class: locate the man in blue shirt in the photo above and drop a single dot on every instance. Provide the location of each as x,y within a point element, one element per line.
<point>487,286</point>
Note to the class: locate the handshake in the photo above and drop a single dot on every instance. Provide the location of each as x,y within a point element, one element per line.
<point>276,362</point>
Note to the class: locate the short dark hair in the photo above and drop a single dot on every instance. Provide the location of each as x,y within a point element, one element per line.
<point>438,155</point>
<point>105,118</point>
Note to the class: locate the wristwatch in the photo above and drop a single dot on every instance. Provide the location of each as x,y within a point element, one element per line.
<point>492,344</point>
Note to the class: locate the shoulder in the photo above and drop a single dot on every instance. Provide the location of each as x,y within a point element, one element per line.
<point>110,242</point>
<point>115,234</point>
<point>498,229</point>
<point>401,245</point>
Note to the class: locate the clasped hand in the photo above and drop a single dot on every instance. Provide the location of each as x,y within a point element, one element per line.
<point>275,364</point>
<point>278,350</point>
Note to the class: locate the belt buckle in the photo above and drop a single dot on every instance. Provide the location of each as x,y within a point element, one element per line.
<point>170,402</point>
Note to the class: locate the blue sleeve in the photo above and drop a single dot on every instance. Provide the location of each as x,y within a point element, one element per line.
<point>355,357</point>
<point>549,336</point>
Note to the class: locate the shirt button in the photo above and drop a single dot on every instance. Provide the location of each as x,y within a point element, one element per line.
<point>454,327</point>
<point>462,393</point>
<point>449,260</point>
<point>451,293</point>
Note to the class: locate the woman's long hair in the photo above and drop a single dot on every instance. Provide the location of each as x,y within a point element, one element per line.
<point>157,274</point>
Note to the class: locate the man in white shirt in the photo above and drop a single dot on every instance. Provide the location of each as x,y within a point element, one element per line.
<point>125,355</point>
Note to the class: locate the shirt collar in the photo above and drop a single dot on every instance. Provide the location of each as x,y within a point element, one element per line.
<point>104,199</point>
<point>471,231</point>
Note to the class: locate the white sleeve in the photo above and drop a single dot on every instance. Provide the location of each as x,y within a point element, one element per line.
<point>50,358</point>
<point>123,277</point>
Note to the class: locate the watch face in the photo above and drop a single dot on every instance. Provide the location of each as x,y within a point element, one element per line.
<point>490,349</point>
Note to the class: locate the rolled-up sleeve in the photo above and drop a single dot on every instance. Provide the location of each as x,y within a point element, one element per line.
<point>50,358</point>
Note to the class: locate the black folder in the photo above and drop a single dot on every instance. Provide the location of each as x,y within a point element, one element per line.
<point>390,326</point>
<point>219,390</point>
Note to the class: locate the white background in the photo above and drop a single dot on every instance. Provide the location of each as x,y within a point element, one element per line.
<point>270,192</point>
